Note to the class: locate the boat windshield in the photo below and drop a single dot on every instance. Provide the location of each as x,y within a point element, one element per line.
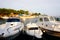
<point>13,20</point>
<point>46,19</point>
<point>51,19</point>
<point>33,28</point>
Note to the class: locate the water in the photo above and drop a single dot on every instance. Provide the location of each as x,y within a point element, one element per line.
<point>24,36</point>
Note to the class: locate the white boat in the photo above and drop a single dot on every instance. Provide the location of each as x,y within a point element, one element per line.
<point>49,25</point>
<point>33,30</point>
<point>12,27</point>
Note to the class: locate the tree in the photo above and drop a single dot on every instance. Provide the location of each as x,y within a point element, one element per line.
<point>39,13</point>
<point>26,12</point>
<point>21,11</point>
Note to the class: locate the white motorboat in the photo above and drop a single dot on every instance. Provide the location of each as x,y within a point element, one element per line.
<point>49,25</point>
<point>11,27</point>
<point>33,30</point>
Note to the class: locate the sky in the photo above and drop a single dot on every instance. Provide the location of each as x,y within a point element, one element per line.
<point>49,7</point>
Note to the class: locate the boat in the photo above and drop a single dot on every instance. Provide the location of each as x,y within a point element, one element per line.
<point>11,28</point>
<point>31,28</point>
<point>49,25</point>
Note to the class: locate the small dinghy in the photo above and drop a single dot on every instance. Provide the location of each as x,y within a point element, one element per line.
<point>33,30</point>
